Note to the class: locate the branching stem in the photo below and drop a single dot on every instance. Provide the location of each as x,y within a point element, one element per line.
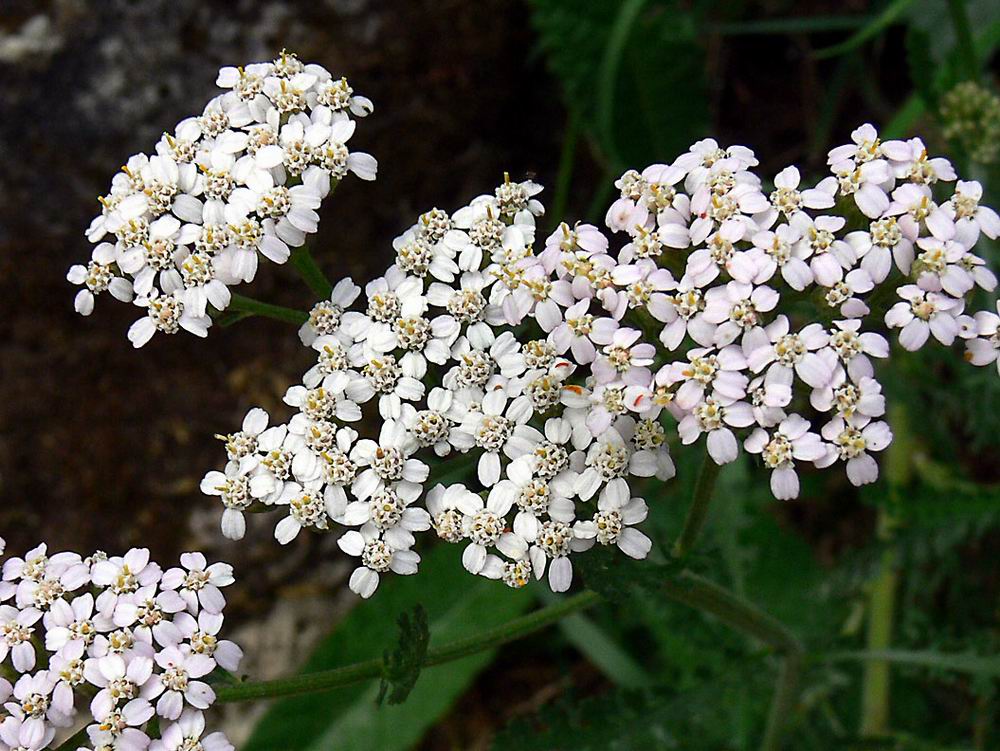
<point>489,639</point>
<point>310,272</point>
<point>243,304</point>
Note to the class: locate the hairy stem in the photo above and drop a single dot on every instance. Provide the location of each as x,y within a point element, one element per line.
<point>241,303</point>
<point>698,512</point>
<point>329,679</point>
<point>310,272</point>
<point>702,594</point>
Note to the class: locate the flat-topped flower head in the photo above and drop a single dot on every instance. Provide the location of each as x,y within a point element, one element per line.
<point>116,647</point>
<point>239,181</point>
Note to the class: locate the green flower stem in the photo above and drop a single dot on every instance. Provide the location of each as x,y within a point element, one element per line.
<point>703,489</point>
<point>240,303</point>
<point>701,594</point>
<point>329,679</point>
<point>512,630</point>
<point>310,272</point>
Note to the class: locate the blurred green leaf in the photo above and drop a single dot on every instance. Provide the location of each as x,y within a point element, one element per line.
<point>933,16</point>
<point>457,606</point>
<point>901,123</point>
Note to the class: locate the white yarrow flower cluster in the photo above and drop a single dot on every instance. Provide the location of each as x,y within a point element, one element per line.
<point>560,373</point>
<point>434,352</point>
<point>117,638</point>
<point>241,180</point>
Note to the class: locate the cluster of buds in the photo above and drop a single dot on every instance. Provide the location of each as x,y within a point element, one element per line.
<point>970,118</point>
<point>722,309</point>
<point>243,179</point>
<point>133,640</point>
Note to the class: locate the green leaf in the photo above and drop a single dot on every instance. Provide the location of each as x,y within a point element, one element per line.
<point>628,720</point>
<point>934,17</point>
<point>403,665</point>
<point>348,719</point>
<point>901,123</point>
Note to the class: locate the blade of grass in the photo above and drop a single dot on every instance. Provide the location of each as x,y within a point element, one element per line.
<point>889,15</point>
<point>599,647</point>
<point>610,65</point>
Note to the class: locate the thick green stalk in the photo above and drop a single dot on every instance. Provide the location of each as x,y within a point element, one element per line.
<point>876,685</point>
<point>704,487</point>
<point>310,272</point>
<point>329,679</point>
<point>241,303</point>
<point>875,692</point>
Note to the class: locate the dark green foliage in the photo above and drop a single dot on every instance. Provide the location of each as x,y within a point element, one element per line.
<point>632,72</point>
<point>668,717</point>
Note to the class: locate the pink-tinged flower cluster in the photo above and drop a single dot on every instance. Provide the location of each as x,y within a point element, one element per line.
<point>726,253</point>
<point>241,180</point>
<point>115,639</point>
<point>712,307</point>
